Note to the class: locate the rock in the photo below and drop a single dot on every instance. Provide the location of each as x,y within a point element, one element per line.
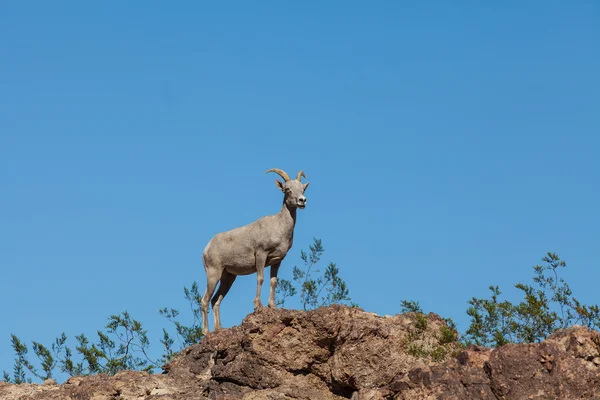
<point>560,368</point>
<point>340,352</point>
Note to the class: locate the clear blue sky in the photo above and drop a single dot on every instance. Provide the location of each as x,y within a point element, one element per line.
<point>449,147</point>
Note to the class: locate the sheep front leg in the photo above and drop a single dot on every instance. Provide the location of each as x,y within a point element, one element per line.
<point>273,284</point>
<point>260,277</point>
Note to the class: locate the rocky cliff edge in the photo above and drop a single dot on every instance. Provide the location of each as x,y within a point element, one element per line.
<point>339,352</point>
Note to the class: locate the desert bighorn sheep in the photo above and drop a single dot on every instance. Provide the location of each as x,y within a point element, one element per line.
<point>251,248</point>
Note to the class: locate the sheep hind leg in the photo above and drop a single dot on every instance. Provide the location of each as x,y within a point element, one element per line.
<point>227,280</point>
<point>212,278</point>
<point>260,277</point>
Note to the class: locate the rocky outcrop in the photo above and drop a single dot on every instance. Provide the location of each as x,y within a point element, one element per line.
<point>339,352</point>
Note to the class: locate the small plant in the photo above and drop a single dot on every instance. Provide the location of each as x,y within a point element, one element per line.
<point>421,322</point>
<point>417,350</point>
<point>447,335</point>
<point>446,343</point>
<point>315,290</point>
<point>546,307</point>
<point>122,345</point>
<point>284,291</point>
<point>407,306</point>
<point>491,321</point>
<point>439,353</point>
<point>127,352</point>
<point>186,334</point>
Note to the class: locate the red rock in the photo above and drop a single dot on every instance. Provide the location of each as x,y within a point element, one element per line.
<point>339,352</point>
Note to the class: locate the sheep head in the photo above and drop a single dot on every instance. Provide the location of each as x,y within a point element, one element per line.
<point>292,188</point>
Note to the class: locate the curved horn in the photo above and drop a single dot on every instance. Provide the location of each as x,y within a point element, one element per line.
<point>301,173</point>
<point>281,173</point>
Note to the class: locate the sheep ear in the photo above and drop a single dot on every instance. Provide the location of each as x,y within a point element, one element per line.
<point>306,185</point>
<point>280,185</point>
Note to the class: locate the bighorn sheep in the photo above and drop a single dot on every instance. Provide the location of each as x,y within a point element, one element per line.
<point>251,248</point>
